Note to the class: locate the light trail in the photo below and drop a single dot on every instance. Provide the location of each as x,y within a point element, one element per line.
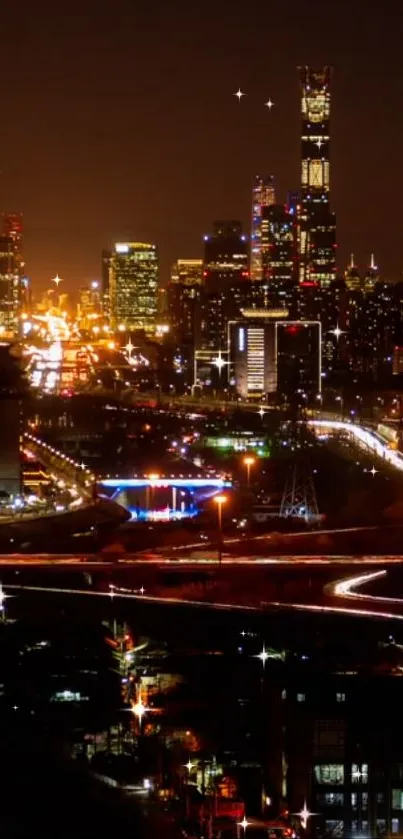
<point>365,438</point>
<point>337,610</point>
<point>114,594</point>
<point>346,588</point>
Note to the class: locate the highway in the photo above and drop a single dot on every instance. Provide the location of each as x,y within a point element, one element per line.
<point>304,584</point>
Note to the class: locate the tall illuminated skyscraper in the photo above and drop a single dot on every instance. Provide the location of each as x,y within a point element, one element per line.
<point>133,286</point>
<point>317,262</point>
<point>263,195</point>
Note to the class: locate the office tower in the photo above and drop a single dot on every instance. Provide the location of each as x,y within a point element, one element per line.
<point>299,360</point>
<point>352,276</point>
<point>106,261</point>
<point>183,301</point>
<point>226,288</point>
<point>252,352</point>
<point>270,353</point>
<point>11,394</point>
<point>10,288</point>
<point>89,305</point>
<point>133,286</point>
<point>277,246</point>
<point>371,276</point>
<point>317,263</point>
<point>263,195</point>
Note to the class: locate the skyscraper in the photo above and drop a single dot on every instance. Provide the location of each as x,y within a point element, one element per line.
<point>226,287</point>
<point>352,276</point>
<point>183,299</point>
<point>277,243</point>
<point>133,286</point>
<point>263,195</point>
<point>10,288</point>
<point>317,262</point>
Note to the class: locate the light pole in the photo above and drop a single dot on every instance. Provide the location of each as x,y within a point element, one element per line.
<point>220,500</point>
<point>243,824</point>
<point>249,462</point>
<point>341,400</point>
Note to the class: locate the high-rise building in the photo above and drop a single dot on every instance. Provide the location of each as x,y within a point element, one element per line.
<point>317,259</point>
<point>106,261</point>
<point>11,395</point>
<point>183,301</point>
<point>226,288</point>
<point>371,276</point>
<point>133,286</point>
<point>263,195</point>
<point>269,353</point>
<point>10,288</point>
<point>352,276</point>
<point>277,246</point>
<point>89,305</point>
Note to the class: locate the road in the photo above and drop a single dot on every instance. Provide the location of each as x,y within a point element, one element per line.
<point>313,585</point>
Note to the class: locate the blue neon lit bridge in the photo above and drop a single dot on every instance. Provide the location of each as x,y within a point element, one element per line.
<point>186,483</point>
<point>162,499</point>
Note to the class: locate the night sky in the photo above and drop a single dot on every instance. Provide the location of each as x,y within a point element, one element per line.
<point>118,122</point>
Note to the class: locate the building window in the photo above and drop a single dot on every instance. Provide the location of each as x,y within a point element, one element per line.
<point>301,697</point>
<point>364,801</point>
<point>380,798</point>
<point>397,799</point>
<point>329,773</point>
<point>359,773</point>
<point>330,799</point>
<point>340,697</point>
<point>395,825</point>
<point>354,802</point>
<point>380,827</point>
<point>334,827</point>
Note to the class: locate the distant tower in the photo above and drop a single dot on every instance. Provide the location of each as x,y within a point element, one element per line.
<point>263,195</point>
<point>352,277</point>
<point>372,276</point>
<point>299,497</point>
<point>133,286</point>
<point>317,262</point>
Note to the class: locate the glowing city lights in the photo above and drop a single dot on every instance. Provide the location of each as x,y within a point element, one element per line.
<point>239,94</point>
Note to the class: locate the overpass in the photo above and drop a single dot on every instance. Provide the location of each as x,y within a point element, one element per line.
<point>362,436</point>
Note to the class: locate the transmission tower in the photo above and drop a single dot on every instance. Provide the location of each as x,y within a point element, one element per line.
<point>299,497</point>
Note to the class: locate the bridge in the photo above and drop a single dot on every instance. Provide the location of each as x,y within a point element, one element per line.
<point>165,483</point>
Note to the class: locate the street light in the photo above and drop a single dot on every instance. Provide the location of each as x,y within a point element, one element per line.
<point>248,461</point>
<point>304,814</point>
<point>220,500</point>
<point>139,709</point>
<point>244,824</point>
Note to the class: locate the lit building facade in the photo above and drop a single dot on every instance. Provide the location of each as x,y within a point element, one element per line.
<point>183,303</point>
<point>263,195</point>
<point>317,258</point>
<point>273,355</point>
<point>10,288</point>
<point>89,305</point>
<point>226,287</point>
<point>133,286</point>
<point>277,246</point>
<point>352,276</point>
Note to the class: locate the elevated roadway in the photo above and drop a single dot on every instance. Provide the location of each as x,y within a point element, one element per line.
<point>322,585</point>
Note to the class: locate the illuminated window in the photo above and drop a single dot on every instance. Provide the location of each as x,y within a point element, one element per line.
<point>397,799</point>
<point>359,773</point>
<point>334,827</point>
<point>301,697</point>
<point>329,773</point>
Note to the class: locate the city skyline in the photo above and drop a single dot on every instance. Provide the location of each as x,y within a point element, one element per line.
<point>164,177</point>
